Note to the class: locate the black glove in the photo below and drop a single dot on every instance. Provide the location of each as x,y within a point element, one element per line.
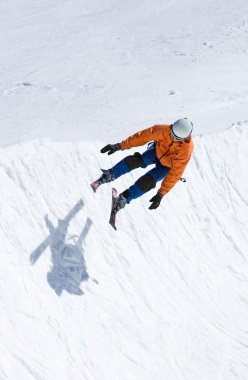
<point>110,148</point>
<point>155,201</point>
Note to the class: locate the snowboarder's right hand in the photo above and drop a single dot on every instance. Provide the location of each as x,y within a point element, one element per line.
<point>155,201</point>
<point>110,148</point>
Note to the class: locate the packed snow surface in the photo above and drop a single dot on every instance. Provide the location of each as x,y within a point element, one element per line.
<point>167,295</point>
<point>164,297</point>
<point>75,68</point>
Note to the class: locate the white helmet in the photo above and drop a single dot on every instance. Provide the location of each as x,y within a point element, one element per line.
<point>181,129</point>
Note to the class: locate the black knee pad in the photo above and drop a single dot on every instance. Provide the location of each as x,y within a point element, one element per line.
<point>126,193</point>
<point>135,161</point>
<point>146,183</point>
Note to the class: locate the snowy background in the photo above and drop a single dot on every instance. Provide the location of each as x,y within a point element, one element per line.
<point>167,294</point>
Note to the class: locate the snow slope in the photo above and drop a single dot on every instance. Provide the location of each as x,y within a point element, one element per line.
<point>167,295</point>
<point>169,300</point>
<point>71,66</point>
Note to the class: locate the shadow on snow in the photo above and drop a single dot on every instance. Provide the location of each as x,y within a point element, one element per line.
<point>68,263</point>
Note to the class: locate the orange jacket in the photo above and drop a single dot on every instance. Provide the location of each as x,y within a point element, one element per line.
<point>170,153</point>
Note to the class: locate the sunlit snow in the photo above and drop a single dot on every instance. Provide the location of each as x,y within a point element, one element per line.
<point>165,296</point>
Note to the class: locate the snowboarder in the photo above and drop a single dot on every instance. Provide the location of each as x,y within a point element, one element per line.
<point>169,150</point>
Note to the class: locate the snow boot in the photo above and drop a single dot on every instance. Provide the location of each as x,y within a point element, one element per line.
<point>119,203</point>
<point>106,177</point>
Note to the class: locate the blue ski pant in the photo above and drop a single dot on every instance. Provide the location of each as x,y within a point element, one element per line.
<point>156,174</point>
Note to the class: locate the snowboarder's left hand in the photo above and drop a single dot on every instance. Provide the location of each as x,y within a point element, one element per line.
<point>110,148</point>
<point>155,201</point>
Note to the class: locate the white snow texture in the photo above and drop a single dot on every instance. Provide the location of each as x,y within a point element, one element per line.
<point>165,296</point>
